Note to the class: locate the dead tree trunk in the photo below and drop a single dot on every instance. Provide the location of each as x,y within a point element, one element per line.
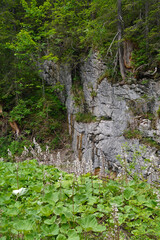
<point>146,24</point>
<point>120,46</point>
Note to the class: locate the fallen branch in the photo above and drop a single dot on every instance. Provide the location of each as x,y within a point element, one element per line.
<point>112,43</point>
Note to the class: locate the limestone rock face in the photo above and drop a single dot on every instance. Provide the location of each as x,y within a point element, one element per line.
<point>116,108</point>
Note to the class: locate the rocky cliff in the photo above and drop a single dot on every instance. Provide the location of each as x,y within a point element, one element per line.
<point>103,116</point>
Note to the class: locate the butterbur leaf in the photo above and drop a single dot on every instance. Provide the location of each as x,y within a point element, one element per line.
<point>12,212</point>
<point>127,208</point>
<point>63,219</point>
<point>68,214</point>
<point>61,237</point>
<point>23,225</point>
<point>66,183</point>
<point>141,199</point>
<point>68,192</point>
<point>32,236</point>
<point>89,223</point>
<point>99,228</point>
<point>79,229</point>
<point>46,210</point>
<point>51,197</point>
<point>92,200</point>
<point>50,221</point>
<point>58,210</point>
<point>64,228</point>
<point>72,235</point>
<point>37,187</point>
<point>118,200</point>
<point>98,214</point>
<point>150,203</point>
<point>128,193</point>
<point>50,231</point>
<point>122,218</point>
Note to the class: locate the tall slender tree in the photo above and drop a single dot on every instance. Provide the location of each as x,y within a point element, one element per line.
<point>120,46</point>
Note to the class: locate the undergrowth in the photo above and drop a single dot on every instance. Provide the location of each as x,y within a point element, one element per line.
<point>52,204</point>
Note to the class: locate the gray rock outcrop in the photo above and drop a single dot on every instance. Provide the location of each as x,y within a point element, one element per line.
<point>116,108</point>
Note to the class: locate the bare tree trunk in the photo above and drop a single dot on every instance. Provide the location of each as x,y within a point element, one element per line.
<point>146,24</point>
<point>120,46</point>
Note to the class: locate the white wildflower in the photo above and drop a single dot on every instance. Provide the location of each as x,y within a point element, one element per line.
<point>19,192</point>
<point>9,153</point>
<point>83,165</point>
<point>37,147</point>
<point>47,150</point>
<point>61,177</point>
<point>51,158</point>
<point>25,152</point>
<point>59,162</point>
<point>77,166</point>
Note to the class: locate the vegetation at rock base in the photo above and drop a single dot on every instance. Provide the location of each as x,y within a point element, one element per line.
<point>42,202</point>
<point>85,117</point>
<point>158,112</point>
<point>137,134</point>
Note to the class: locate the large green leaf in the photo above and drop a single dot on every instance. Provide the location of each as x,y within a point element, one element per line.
<point>92,200</point>
<point>51,197</point>
<point>72,235</point>
<point>12,212</point>
<point>50,221</point>
<point>23,225</point>
<point>46,210</point>
<point>50,230</point>
<point>89,223</point>
<point>128,193</point>
<point>61,237</point>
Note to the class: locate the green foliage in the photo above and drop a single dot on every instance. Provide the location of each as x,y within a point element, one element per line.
<point>107,74</point>
<point>93,93</point>
<point>78,95</point>
<point>54,205</point>
<point>19,112</point>
<point>16,147</point>
<point>133,134</point>
<point>142,106</point>
<point>158,112</point>
<point>148,141</point>
<point>36,116</point>
<point>85,117</point>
